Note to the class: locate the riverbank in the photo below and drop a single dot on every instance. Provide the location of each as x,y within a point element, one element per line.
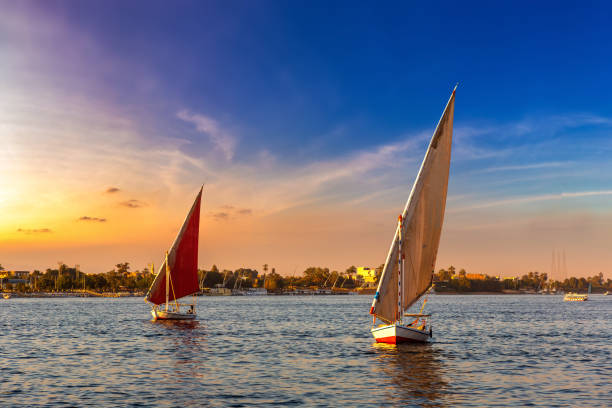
<point>71,294</point>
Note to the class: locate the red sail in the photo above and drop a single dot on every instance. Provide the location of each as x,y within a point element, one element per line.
<point>183,260</point>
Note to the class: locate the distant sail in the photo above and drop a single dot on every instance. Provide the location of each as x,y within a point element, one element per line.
<point>183,261</point>
<point>423,216</point>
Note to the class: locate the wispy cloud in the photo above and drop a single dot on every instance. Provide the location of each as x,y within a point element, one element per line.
<point>525,167</point>
<point>34,231</point>
<point>112,190</point>
<point>132,203</point>
<point>230,212</point>
<point>92,219</point>
<point>220,137</point>
<point>220,216</point>
<point>531,199</point>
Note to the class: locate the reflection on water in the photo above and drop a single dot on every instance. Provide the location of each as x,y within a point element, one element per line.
<point>415,371</point>
<point>310,350</point>
<point>185,339</point>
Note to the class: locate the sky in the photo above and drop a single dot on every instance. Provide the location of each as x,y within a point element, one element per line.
<point>306,122</point>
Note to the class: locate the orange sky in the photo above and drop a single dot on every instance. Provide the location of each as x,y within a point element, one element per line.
<point>102,153</point>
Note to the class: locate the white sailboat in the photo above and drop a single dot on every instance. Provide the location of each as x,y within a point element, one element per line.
<point>178,275</point>
<point>408,271</point>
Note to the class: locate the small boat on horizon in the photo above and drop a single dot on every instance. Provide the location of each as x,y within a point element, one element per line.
<point>178,275</point>
<point>6,295</point>
<point>577,297</point>
<point>408,271</point>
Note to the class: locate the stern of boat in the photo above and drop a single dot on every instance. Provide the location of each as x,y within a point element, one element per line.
<point>163,315</point>
<point>396,334</point>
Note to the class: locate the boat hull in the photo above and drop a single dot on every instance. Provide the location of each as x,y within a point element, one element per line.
<point>396,334</point>
<point>163,315</point>
<point>574,297</point>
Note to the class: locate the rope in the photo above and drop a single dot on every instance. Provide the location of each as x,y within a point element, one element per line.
<point>172,287</point>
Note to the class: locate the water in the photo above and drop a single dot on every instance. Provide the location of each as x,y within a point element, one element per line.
<point>314,351</point>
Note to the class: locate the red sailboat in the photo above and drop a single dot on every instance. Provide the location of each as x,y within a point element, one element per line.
<point>178,275</point>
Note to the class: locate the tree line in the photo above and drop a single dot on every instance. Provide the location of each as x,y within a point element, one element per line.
<point>451,280</point>
<point>122,278</point>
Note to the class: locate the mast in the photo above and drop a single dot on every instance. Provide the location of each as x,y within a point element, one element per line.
<point>400,270</point>
<point>167,281</point>
<point>553,269</point>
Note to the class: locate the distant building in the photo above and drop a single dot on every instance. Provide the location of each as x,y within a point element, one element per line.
<point>21,274</point>
<point>16,274</point>
<point>16,281</point>
<point>476,276</point>
<point>366,275</point>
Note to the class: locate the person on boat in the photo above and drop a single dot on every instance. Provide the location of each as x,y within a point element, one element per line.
<point>190,311</point>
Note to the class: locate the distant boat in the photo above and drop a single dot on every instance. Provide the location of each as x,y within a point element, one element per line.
<point>6,295</point>
<point>256,292</point>
<point>606,293</point>
<point>576,297</point>
<point>178,275</point>
<point>220,290</point>
<point>408,271</point>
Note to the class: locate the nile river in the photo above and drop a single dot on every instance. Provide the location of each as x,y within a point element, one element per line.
<point>308,350</point>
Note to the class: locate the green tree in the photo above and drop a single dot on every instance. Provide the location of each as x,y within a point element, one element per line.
<point>315,276</point>
<point>64,282</point>
<point>274,281</point>
<point>351,270</point>
<point>123,268</point>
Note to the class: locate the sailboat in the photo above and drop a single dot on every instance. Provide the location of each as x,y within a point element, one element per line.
<point>408,271</point>
<point>177,277</point>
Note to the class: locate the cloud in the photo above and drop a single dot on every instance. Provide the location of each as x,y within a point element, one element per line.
<point>230,212</point>
<point>132,203</point>
<point>93,219</point>
<point>35,231</point>
<point>112,190</point>
<point>532,199</point>
<point>221,216</point>
<point>221,138</point>
<point>525,167</point>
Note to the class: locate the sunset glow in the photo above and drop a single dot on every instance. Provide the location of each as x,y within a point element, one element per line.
<point>307,157</point>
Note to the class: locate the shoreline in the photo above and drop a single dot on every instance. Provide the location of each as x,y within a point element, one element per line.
<point>128,294</point>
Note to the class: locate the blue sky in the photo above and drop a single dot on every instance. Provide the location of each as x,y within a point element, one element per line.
<point>312,108</point>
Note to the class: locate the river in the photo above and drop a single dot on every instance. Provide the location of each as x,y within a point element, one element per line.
<point>502,350</point>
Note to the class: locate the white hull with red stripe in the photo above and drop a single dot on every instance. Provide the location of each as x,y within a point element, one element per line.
<point>396,333</point>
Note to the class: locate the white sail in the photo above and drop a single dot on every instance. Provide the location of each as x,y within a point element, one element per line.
<point>423,216</point>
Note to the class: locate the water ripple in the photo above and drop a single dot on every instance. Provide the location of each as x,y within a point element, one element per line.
<point>314,351</point>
